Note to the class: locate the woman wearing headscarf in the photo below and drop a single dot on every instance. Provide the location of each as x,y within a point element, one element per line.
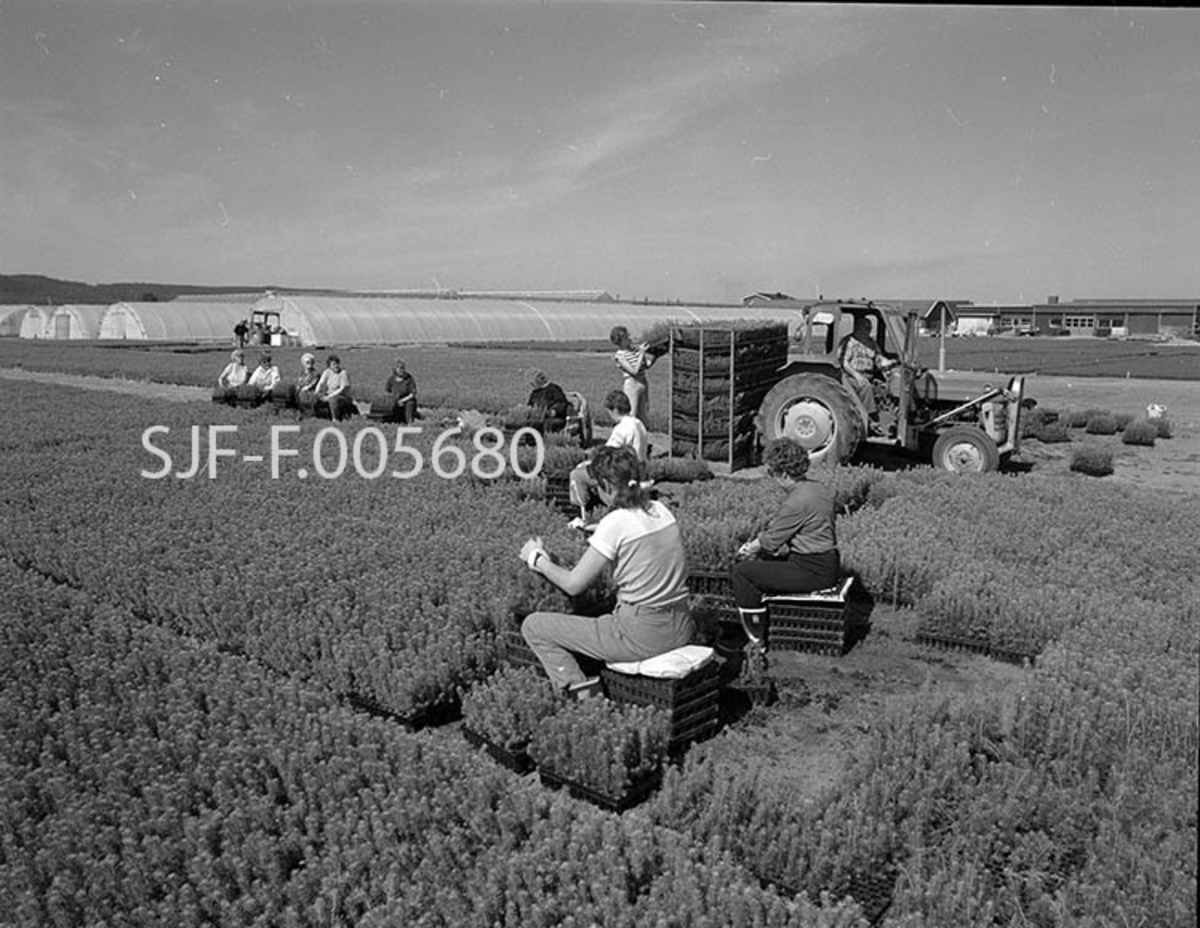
<point>549,399</point>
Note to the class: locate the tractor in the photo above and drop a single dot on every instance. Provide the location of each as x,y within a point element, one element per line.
<point>960,422</point>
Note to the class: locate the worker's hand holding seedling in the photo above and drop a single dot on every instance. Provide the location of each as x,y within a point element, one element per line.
<point>749,549</point>
<point>533,549</point>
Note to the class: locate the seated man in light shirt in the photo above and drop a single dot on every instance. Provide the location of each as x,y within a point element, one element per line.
<point>627,432</point>
<point>266,376</point>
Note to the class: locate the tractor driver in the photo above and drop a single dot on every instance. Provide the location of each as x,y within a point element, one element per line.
<point>863,364</point>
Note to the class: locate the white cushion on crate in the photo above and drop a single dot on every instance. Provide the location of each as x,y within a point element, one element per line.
<point>673,665</point>
<point>833,594</point>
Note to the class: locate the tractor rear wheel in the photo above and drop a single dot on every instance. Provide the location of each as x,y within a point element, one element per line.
<point>816,411</point>
<point>965,449</point>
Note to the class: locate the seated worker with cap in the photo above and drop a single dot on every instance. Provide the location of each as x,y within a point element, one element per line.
<point>401,387</point>
<point>266,376</point>
<point>627,432</point>
<point>548,398</point>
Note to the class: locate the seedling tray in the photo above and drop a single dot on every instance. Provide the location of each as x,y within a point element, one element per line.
<point>711,583</point>
<point>638,791</point>
<point>425,717</point>
<point>515,760</point>
<point>953,643</point>
<point>1013,655</point>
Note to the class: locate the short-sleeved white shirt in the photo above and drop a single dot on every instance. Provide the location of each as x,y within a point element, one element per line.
<point>629,432</point>
<point>646,550</point>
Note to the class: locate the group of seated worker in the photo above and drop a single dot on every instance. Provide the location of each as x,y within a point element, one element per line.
<point>640,540</point>
<point>264,378</point>
<point>312,391</point>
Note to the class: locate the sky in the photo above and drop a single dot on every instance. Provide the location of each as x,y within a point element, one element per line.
<point>662,151</point>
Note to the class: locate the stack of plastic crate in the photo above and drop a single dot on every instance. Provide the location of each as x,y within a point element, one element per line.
<point>691,702</point>
<point>717,589</point>
<point>813,622</point>
<point>558,493</point>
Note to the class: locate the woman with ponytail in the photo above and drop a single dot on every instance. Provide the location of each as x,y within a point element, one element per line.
<point>639,538</point>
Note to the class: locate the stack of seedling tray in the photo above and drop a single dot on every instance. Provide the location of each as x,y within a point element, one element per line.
<point>719,376</point>
<point>558,493</point>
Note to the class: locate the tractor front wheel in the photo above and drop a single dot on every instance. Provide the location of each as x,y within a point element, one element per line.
<point>817,412</point>
<point>965,449</point>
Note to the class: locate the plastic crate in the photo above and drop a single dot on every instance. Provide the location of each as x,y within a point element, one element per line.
<point>814,622</point>
<point>517,652</point>
<point>696,730</point>
<point>715,584</point>
<point>668,694</point>
<point>518,761</point>
<point>637,792</point>
<point>558,492</point>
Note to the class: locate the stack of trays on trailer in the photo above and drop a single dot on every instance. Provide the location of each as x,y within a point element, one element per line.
<point>719,376</point>
<point>690,700</point>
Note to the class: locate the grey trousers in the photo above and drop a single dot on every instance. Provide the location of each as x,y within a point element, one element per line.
<point>630,633</point>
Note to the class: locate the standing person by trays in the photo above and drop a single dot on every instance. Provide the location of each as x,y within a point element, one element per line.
<point>639,538</point>
<point>633,362</point>
<point>797,551</point>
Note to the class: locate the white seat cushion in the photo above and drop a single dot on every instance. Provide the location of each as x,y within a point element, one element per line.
<point>673,665</point>
<point>834,594</point>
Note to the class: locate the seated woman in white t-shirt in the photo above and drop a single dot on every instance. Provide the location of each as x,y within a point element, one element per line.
<point>640,539</point>
<point>627,432</point>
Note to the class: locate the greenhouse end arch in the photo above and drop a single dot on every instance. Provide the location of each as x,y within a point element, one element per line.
<point>173,321</point>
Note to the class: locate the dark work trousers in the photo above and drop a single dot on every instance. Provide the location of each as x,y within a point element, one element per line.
<point>796,573</point>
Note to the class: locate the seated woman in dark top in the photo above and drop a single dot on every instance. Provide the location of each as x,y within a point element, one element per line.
<point>550,399</point>
<point>797,551</point>
<point>401,388</point>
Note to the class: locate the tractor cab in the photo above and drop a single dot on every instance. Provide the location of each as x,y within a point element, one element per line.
<point>266,328</point>
<point>823,328</point>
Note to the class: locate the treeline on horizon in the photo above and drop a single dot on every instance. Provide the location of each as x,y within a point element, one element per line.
<point>40,291</point>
